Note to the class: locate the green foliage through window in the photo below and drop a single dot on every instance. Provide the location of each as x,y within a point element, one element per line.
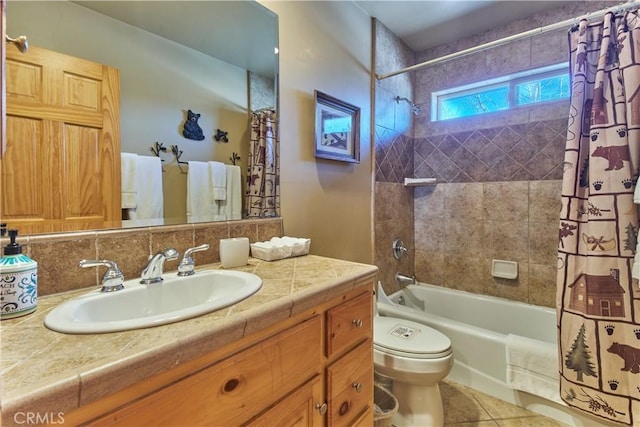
<point>522,89</point>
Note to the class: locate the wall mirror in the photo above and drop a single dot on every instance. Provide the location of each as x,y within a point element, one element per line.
<point>218,59</point>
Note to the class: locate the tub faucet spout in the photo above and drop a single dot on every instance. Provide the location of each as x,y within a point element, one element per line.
<point>403,279</point>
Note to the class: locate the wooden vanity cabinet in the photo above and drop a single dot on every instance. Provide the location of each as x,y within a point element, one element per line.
<point>315,369</point>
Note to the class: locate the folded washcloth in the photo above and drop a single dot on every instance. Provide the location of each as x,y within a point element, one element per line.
<point>128,169</point>
<point>218,180</point>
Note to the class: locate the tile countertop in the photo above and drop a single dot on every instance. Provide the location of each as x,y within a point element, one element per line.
<point>49,372</point>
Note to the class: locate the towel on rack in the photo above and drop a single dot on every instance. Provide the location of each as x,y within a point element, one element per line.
<point>150,201</point>
<point>532,366</point>
<point>232,206</point>
<point>200,203</point>
<point>218,178</point>
<point>128,162</point>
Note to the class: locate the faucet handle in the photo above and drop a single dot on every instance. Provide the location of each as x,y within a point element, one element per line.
<point>112,279</point>
<point>187,264</point>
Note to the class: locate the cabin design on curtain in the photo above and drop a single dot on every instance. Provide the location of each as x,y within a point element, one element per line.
<point>598,295</point>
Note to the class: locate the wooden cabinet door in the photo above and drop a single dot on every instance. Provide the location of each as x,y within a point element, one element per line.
<point>61,167</point>
<point>234,390</point>
<point>3,29</point>
<point>296,410</point>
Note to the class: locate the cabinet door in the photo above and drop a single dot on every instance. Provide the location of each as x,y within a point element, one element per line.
<point>61,167</point>
<point>350,385</point>
<point>349,323</point>
<point>296,410</point>
<point>234,390</point>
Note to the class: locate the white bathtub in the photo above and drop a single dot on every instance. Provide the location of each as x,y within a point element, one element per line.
<point>478,327</point>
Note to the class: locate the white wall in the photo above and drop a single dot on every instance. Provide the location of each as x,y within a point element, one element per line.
<point>324,45</point>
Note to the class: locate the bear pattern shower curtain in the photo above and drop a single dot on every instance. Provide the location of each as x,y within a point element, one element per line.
<point>597,300</point>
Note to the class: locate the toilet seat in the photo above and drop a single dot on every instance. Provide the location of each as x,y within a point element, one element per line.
<point>401,337</point>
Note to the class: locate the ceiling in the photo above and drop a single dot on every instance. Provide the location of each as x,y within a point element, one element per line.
<point>222,27</point>
<point>423,24</point>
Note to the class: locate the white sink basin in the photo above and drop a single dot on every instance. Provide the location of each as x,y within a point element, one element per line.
<point>141,306</point>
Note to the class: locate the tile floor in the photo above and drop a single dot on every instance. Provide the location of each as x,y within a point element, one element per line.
<point>465,407</point>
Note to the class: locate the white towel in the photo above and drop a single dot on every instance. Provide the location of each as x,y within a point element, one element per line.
<point>218,177</point>
<point>635,268</point>
<point>150,201</point>
<point>532,366</point>
<point>232,206</point>
<point>199,200</point>
<point>129,183</point>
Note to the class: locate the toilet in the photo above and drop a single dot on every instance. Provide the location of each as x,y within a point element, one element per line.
<point>415,357</point>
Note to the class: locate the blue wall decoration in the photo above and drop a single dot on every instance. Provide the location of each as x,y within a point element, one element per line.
<point>191,128</point>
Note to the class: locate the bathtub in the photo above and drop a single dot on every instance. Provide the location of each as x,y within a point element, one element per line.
<point>478,327</point>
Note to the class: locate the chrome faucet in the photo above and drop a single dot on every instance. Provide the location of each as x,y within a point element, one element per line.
<point>112,279</point>
<point>403,279</point>
<point>152,273</point>
<point>187,264</point>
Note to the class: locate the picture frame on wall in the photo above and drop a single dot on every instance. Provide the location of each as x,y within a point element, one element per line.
<point>337,129</point>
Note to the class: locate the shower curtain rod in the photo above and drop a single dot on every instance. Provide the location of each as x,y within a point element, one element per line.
<point>534,32</point>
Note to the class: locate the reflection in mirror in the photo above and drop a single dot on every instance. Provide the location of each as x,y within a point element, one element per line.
<point>214,58</point>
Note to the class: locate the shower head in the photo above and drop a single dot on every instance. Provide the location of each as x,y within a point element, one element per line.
<point>414,108</point>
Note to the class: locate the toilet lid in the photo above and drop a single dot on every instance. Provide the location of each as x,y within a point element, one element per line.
<point>407,338</point>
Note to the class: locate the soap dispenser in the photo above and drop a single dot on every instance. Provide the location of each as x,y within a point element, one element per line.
<point>18,279</point>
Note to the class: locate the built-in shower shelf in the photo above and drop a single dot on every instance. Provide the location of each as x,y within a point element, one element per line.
<point>419,182</point>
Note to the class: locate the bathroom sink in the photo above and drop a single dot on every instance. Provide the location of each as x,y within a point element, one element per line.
<point>141,306</point>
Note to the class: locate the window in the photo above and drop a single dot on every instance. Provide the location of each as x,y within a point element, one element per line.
<point>522,89</point>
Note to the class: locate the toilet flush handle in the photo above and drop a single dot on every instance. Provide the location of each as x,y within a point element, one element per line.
<point>357,387</point>
<point>357,323</point>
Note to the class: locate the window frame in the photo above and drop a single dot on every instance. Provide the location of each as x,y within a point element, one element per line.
<point>510,81</point>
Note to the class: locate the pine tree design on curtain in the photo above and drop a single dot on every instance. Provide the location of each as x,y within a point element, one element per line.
<point>598,304</point>
<point>263,186</point>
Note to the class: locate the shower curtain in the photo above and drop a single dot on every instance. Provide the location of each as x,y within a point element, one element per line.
<point>263,186</point>
<point>598,304</point>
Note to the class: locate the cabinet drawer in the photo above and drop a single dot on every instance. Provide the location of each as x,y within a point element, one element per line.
<point>350,385</point>
<point>235,389</point>
<point>349,323</point>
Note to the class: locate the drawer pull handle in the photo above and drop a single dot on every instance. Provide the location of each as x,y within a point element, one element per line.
<point>357,387</point>
<point>231,385</point>
<point>357,323</point>
<point>322,408</point>
<point>344,408</point>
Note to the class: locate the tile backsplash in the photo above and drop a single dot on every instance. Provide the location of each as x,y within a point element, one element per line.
<point>58,254</point>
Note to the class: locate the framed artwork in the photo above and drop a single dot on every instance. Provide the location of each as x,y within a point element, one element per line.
<point>337,129</point>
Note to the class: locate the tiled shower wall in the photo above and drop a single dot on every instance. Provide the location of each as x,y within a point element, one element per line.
<point>498,191</point>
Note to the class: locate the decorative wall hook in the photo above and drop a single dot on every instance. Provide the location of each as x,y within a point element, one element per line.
<point>158,148</point>
<point>177,153</point>
<point>221,136</point>
<point>234,158</point>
